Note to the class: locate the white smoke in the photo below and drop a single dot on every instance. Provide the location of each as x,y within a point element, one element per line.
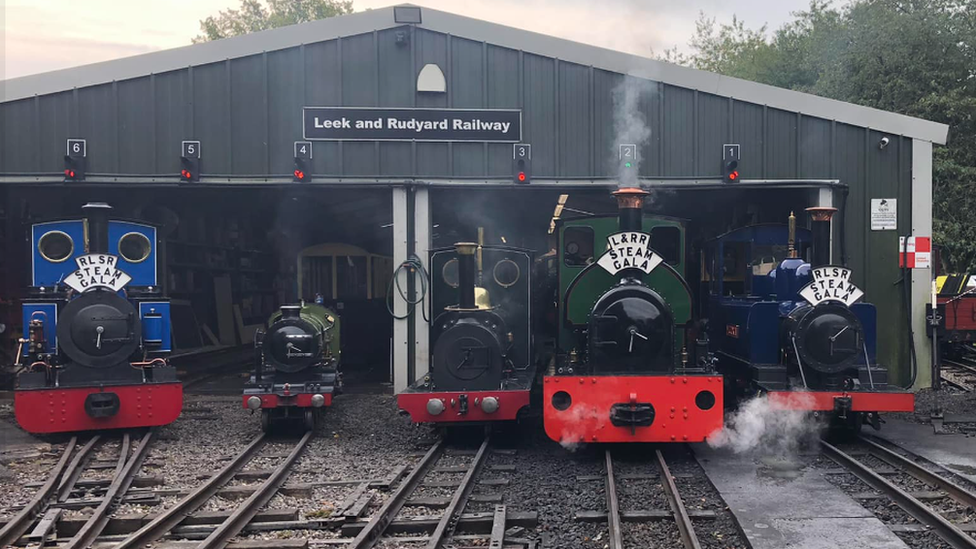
<point>629,126</point>
<point>582,419</point>
<point>775,427</point>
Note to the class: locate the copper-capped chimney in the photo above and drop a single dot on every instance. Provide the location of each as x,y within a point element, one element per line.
<point>465,257</point>
<point>96,215</point>
<point>630,209</point>
<point>821,234</point>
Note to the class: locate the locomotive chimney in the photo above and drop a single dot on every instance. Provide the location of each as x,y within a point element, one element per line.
<point>630,209</point>
<point>630,204</point>
<point>465,257</point>
<point>96,215</point>
<point>821,234</point>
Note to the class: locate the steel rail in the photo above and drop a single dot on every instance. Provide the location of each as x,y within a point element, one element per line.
<point>613,508</point>
<point>124,474</point>
<point>681,518</point>
<point>170,518</point>
<point>955,491</point>
<point>970,368</point>
<point>949,532</point>
<point>371,533</point>
<point>460,499</point>
<point>74,470</point>
<point>236,522</point>
<point>20,522</point>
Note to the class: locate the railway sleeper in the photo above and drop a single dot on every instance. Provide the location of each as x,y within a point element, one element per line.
<point>127,524</point>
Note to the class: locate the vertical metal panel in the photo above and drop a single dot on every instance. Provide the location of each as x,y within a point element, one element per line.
<point>814,147</point>
<point>538,112</point>
<point>358,90</point>
<point>97,122</point>
<point>432,159</point>
<point>285,98</point>
<point>323,88</point>
<point>397,87</point>
<point>849,168</point>
<point>431,47</point>
<point>247,115</point>
<point>574,119</point>
<point>679,145</point>
<point>920,180</point>
<point>713,115</point>
<point>211,115</point>
<point>137,152</point>
<point>747,130</point>
<point>883,275</point>
<point>604,138</point>
<point>649,106</point>
<point>173,111</point>
<point>465,74</point>
<point>20,132</point>
<point>780,144</point>
<point>56,128</point>
<point>503,93</point>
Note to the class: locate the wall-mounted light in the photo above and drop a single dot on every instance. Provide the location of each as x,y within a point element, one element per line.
<point>884,142</point>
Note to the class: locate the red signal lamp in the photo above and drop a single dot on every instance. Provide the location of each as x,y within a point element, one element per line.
<point>299,174</point>
<point>69,174</point>
<point>521,176</point>
<point>734,175</point>
<point>186,174</point>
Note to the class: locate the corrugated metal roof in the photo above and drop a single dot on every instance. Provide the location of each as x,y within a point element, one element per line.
<point>474,29</point>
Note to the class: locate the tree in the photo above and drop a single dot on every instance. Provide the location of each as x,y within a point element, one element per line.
<point>915,57</point>
<point>254,16</point>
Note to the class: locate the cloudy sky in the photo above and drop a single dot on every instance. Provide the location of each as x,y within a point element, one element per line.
<point>44,35</point>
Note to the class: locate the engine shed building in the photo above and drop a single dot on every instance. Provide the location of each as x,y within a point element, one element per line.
<point>382,198</point>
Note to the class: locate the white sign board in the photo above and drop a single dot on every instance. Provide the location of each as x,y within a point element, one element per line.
<point>629,250</point>
<point>97,271</point>
<point>884,214</point>
<point>831,283</point>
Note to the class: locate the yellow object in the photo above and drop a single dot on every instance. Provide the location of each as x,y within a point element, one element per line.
<point>481,298</point>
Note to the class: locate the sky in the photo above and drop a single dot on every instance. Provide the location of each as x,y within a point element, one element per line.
<point>45,35</point>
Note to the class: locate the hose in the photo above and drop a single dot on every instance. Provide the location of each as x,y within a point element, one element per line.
<point>906,282</point>
<point>413,265</point>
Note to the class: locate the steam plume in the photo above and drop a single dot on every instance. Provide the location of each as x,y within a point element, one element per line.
<point>629,126</point>
<point>773,427</point>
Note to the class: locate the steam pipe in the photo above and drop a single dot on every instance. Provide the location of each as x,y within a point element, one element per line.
<point>96,215</point>
<point>821,234</point>
<point>465,256</point>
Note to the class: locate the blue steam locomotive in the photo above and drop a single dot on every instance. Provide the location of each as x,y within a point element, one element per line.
<point>793,329</point>
<point>96,329</point>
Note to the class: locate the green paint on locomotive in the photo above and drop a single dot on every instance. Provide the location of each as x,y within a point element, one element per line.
<point>586,283</point>
<point>322,318</point>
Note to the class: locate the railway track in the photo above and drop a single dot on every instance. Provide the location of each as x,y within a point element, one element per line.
<point>36,522</point>
<point>219,535</point>
<point>375,533</point>
<point>616,518</point>
<point>932,499</point>
<point>959,374</point>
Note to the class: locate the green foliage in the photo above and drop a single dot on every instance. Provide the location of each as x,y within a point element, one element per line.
<point>254,16</point>
<point>915,57</point>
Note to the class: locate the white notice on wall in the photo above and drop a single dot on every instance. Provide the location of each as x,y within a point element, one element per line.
<point>884,214</point>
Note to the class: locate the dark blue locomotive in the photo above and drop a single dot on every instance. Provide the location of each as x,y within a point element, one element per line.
<point>96,329</point>
<point>793,329</point>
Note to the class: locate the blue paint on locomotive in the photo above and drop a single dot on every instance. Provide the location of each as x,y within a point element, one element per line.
<point>48,314</point>
<point>46,272</point>
<point>143,272</point>
<point>156,325</point>
<point>745,326</point>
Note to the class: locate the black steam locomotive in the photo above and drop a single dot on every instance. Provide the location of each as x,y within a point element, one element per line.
<point>481,365</point>
<point>96,329</point>
<point>296,370</point>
